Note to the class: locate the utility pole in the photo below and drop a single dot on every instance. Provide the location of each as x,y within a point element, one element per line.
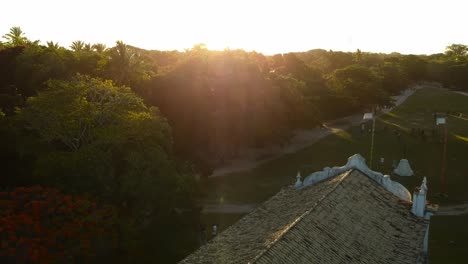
<point>367,116</point>
<point>444,162</point>
<point>372,143</point>
<point>442,120</point>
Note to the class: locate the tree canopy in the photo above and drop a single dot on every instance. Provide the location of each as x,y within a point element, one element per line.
<point>130,128</point>
<point>103,140</point>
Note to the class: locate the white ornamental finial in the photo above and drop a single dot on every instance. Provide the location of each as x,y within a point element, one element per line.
<point>424,185</point>
<point>298,180</point>
<point>419,200</point>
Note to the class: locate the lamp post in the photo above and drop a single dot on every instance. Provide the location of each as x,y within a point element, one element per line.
<point>368,116</point>
<point>442,120</point>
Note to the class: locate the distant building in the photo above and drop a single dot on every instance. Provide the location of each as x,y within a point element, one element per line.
<point>346,214</point>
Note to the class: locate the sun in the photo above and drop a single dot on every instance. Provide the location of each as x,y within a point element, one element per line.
<point>273,26</point>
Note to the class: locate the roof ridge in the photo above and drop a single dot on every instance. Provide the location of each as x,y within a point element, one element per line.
<point>299,219</point>
<point>357,162</point>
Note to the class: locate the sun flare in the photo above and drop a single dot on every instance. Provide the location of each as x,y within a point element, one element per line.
<point>265,26</point>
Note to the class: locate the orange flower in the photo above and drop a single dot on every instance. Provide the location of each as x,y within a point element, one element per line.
<point>51,215</point>
<point>11,251</point>
<point>27,220</point>
<point>38,228</point>
<point>34,257</point>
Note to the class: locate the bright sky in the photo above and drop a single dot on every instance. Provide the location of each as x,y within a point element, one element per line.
<point>270,26</point>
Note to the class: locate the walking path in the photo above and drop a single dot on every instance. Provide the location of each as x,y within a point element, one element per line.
<point>228,208</point>
<point>301,139</point>
<point>458,209</point>
<point>462,93</point>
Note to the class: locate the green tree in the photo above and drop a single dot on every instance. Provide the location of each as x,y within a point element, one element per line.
<point>359,86</point>
<point>99,47</point>
<point>52,45</point>
<point>16,37</point>
<point>37,64</point>
<point>87,47</point>
<point>415,67</point>
<point>101,138</point>
<point>338,60</point>
<point>127,66</point>
<point>458,76</point>
<point>89,114</point>
<point>85,60</point>
<point>394,79</point>
<point>357,57</point>
<point>77,46</point>
<point>8,89</point>
<point>457,51</point>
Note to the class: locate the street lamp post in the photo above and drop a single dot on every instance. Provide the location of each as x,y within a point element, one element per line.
<point>442,120</point>
<point>368,116</point>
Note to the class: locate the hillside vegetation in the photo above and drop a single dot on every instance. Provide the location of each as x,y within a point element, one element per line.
<point>129,129</point>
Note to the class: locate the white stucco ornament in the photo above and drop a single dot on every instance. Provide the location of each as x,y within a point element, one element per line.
<point>298,180</point>
<point>403,168</point>
<point>424,186</point>
<point>358,162</point>
<point>419,199</point>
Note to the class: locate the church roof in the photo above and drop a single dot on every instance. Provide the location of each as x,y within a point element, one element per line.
<point>348,218</point>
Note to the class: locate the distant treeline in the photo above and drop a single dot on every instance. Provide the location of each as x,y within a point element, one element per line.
<point>218,102</point>
<point>58,114</point>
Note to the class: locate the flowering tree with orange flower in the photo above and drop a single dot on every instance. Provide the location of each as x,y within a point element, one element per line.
<point>43,225</point>
<point>98,138</point>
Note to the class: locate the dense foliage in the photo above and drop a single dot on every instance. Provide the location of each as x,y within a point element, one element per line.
<point>44,225</point>
<point>119,124</point>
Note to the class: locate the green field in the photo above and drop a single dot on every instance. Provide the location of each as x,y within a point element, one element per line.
<point>423,152</point>
<point>448,239</point>
<point>424,155</point>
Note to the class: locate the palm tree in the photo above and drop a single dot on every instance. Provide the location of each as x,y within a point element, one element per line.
<point>77,46</point>
<point>99,47</point>
<point>121,58</point>
<point>127,65</point>
<point>87,47</point>
<point>52,45</point>
<point>16,37</point>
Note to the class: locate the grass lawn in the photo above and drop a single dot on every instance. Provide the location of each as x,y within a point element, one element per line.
<point>222,220</point>
<point>448,239</point>
<point>424,155</point>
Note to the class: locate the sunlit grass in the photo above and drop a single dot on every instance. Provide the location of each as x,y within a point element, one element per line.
<point>341,133</point>
<point>395,125</point>
<point>461,138</point>
<point>459,117</point>
<point>424,155</point>
<point>448,239</point>
<point>391,114</point>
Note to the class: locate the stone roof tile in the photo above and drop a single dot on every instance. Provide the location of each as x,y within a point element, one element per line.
<point>349,218</point>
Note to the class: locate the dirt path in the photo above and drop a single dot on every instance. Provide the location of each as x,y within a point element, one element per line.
<point>462,93</point>
<point>228,208</point>
<point>458,209</point>
<point>300,140</point>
